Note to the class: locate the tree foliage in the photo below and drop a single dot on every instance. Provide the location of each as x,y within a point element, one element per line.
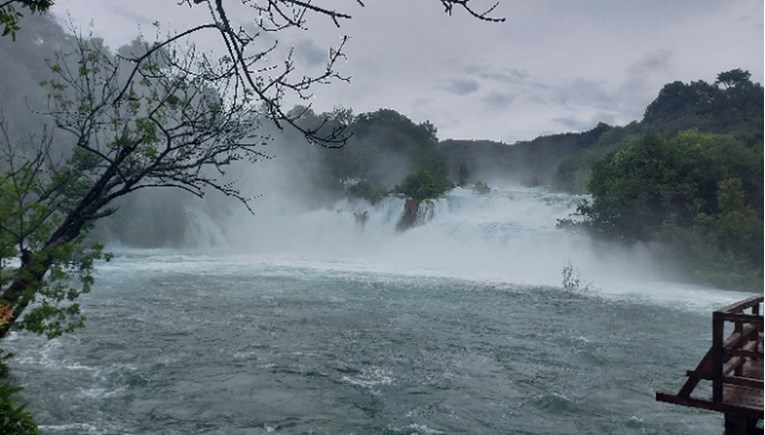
<point>698,194</point>
<point>11,13</point>
<point>386,152</point>
<point>14,419</point>
<point>733,78</point>
<point>424,184</point>
<point>463,174</point>
<point>732,104</point>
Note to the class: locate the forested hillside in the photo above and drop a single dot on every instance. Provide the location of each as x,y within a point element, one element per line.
<point>732,105</point>
<point>688,179</point>
<point>698,195</point>
<point>386,153</point>
<point>531,163</point>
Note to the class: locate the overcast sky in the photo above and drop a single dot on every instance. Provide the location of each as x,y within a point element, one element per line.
<point>553,66</point>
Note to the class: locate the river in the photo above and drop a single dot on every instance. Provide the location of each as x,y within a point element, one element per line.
<point>315,322</point>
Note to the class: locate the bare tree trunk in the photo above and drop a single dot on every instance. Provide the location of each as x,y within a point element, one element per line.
<point>29,276</point>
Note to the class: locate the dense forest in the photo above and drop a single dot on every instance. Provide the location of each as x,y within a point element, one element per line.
<point>732,105</point>
<point>687,176</point>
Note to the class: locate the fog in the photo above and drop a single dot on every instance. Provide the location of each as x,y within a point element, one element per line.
<point>508,235</point>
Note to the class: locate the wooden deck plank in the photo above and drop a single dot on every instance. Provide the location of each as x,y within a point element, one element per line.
<point>751,410</point>
<point>749,398</point>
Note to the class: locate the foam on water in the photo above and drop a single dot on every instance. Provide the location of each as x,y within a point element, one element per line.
<point>84,428</point>
<point>688,296</point>
<point>369,378</point>
<point>221,343</point>
<point>505,237</point>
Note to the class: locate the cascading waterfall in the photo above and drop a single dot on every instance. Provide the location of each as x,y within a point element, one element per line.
<point>506,235</point>
<point>202,231</point>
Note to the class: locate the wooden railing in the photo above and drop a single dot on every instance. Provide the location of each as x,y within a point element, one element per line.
<point>734,365</point>
<point>730,354</point>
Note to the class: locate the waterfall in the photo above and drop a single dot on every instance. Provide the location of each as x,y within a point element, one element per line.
<point>508,234</point>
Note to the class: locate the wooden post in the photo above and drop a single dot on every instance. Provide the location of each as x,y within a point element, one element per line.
<point>739,327</point>
<point>739,424</point>
<point>718,325</point>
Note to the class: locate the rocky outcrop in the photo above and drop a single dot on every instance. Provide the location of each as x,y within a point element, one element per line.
<point>409,218</point>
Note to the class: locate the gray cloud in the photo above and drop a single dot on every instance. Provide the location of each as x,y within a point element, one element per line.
<point>507,76</point>
<point>310,53</point>
<point>497,100</point>
<point>131,15</point>
<point>512,76</point>
<point>423,102</point>
<point>642,80</point>
<point>461,86</point>
<point>572,123</point>
<point>525,71</point>
<point>585,93</point>
<point>575,123</point>
<point>652,62</point>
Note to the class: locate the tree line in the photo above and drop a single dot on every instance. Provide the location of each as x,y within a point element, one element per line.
<point>687,179</point>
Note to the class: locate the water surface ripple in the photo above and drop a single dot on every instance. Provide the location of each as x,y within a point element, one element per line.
<point>186,344</point>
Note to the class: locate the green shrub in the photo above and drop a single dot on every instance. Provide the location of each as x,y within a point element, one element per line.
<point>481,188</point>
<point>365,189</point>
<point>14,420</point>
<point>424,185</point>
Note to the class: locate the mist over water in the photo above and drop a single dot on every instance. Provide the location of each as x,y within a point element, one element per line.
<point>462,234</point>
<point>508,235</point>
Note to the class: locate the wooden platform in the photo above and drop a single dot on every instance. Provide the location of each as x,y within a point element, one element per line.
<point>734,366</point>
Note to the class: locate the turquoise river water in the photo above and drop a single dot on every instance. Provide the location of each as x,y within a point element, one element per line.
<point>460,325</point>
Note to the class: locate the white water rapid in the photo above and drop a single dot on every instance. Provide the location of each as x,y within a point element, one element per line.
<point>507,235</point>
